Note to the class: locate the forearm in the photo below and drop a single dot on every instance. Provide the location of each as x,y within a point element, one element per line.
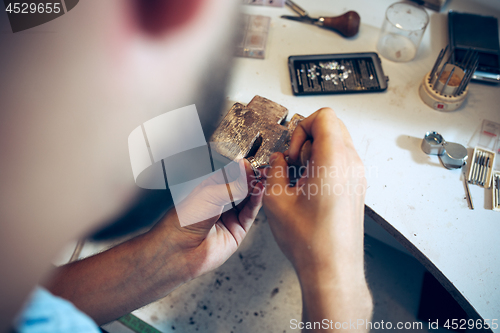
<point>336,297</point>
<point>122,279</point>
<point>322,234</point>
<point>334,285</point>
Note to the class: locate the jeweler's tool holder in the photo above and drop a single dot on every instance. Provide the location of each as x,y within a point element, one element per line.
<point>452,155</point>
<point>445,87</point>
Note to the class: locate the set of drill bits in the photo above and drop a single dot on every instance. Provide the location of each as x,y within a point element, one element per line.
<point>456,76</point>
<point>481,168</point>
<point>496,191</point>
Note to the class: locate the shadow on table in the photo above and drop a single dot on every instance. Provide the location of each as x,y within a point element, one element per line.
<point>412,144</point>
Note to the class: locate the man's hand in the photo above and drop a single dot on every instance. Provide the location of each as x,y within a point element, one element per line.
<point>208,244</point>
<point>318,224</point>
<point>148,267</point>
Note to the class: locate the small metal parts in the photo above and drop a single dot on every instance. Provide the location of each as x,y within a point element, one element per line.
<point>255,167</point>
<point>336,73</point>
<point>328,71</point>
<point>496,191</point>
<point>452,155</point>
<point>480,172</point>
<point>484,169</point>
<point>444,88</point>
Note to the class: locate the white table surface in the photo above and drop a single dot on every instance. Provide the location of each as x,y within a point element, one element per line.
<point>414,197</point>
<point>412,192</point>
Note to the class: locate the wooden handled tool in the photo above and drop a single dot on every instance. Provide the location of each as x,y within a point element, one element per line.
<point>346,24</point>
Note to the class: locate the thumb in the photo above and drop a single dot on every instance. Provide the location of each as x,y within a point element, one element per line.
<point>240,187</point>
<point>207,203</point>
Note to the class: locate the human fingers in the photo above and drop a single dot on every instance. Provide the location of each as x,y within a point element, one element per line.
<point>302,132</point>
<point>203,205</point>
<point>238,223</point>
<point>243,183</point>
<point>230,173</point>
<point>324,128</point>
<point>252,206</point>
<point>354,159</point>
<point>346,136</point>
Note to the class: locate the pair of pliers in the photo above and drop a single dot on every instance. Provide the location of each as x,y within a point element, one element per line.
<point>347,24</point>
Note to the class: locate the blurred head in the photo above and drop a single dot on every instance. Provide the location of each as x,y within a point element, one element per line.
<point>71,91</point>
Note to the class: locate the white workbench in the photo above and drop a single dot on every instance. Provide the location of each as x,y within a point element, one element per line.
<point>409,193</point>
<point>416,199</point>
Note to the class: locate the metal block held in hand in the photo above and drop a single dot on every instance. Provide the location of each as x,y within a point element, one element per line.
<point>255,131</point>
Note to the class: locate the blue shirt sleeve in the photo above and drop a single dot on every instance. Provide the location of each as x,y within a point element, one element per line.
<point>46,313</point>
